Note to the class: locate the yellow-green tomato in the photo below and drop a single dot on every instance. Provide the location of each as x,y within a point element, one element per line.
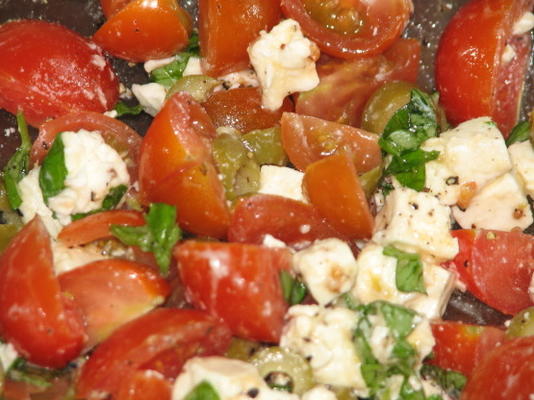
<point>198,86</point>
<point>522,324</point>
<point>266,145</point>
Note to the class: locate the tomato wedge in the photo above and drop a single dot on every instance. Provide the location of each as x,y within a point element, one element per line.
<point>144,30</point>
<point>41,322</point>
<point>383,23</point>
<point>333,187</point>
<point>161,340</point>
<point>110,7</point>
<point>52,71</point>
<point>130,290</point>
<point>238,283</point>
<point>496,267</point>
<point>309,139</point>
<point>475,42</point>
<point>145,385</point>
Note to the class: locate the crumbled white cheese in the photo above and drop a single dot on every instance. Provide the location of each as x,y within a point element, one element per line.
<point>500,205</point>
<point>192,67</point>
<point>524,24</point>
<point>284,61</point>
<point>328,268</point>
<point>319,392</point>
<point>8,355</point>
<point>282,181</point>
<point>231,379</point>
<point>324,336</point>
<point>376,281</point>
<point>68,258</point>
<point>508,54</point>
<point>234,80</point>
<point>151,96</point>
<point>272,242</point>
<point>151,65</point>
<point>416,222</point>
<point>522,155</point>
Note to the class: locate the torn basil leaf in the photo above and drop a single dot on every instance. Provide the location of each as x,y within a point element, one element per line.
<point>293,289</point>
<point>520,133</point>
<point>111,201</point>
<point>193,46</point>
<point>170,73</point>
<point>409,271</point>
<point>53,170</point>
<point>451,382</point>
<point>124,109</point>
<point>203,391</point>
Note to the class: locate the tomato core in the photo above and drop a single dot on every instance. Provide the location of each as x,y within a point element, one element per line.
<point>341,16</point>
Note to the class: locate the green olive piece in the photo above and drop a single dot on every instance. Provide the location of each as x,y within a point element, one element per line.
<point>243,349</point>
<point>198,86</point>
<point>266,145</point>
<point>522,324</point>
<point>283,369</point>
<point>384,102</point>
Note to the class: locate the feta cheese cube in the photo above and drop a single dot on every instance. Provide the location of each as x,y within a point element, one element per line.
<point>416,222</point>
<point>151,65</point>
<point>8,355</point>
<point>281,181</point>
<point>500,205</point>
<point>193,67</point>
<point>68,258</point>
<point>328,268</point>
<point>151,96</point>
<point>522,155</point>
<point>284,61</point>
<point>319,392</point>
<point>524,24</point>
<point>234,80</point>
<point>376,281</point>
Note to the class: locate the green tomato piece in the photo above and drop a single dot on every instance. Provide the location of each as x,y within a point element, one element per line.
<point>198,86</point>
<point>284,369</point>
<point>384,102</point>
<point>522,324</point>
<point>7,232</point>
<point>247,179</point>
<point>243,349</point>
<point>266,145</point>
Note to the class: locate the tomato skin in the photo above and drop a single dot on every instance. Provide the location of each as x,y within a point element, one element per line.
<point>237,283</point>
<point>42,323</point>
<point>308,139</point>
<point>462,347</point>
<point>255,216</point>
<point>220,20</point>
<point>145,385</point>
<point>141,341</point>
<point>54,75</point>
<point>110,7</point>
<point>241,109</point>
<point>474,42</point>
<point>143,30</point>
<point>333,188</point>
<point>345,87</point>
<point>506,373</point>
<point>384,23</point>
<point>496,267</point>
<point>131,289</point>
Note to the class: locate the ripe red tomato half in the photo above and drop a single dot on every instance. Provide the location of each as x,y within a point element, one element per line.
<point>49,70</point>
<point>476,42</point>
<point>496,267</point>
<point>145,385</point>
<point>161,340</point>
<point>238,283</point>
<point>372,26</point>
<point>42,323</point>
<point>145,30</point>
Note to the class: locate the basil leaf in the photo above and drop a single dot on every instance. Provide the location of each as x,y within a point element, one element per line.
<point>293,289</point>
<point>53,170</point>
<point>18,165</point>
<point>111,201</point>
<point>158,236</point>
<point>203,391</point>
<point>409,271</point>
<point>407,392</point>
<point>124,109</point>
<point>451,382</point>
<point>170,73</point>
<point>193,46</point>
<point>520,133</point>
<point>398,319</point>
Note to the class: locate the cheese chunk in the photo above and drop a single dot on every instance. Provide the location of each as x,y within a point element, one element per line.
<point>522,155</point>
<point>151,65</point>
<point>284,61</point>
<point>68,258</point>
<point>416,222</point>
<point>319,392</point>
<point>151,96</point>
<point>8,355</point>
<point>500,205</point>
<point>328,268</point>
<point>376,281</point>
<point>282,181</point>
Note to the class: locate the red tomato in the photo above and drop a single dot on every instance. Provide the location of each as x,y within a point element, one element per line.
<point>143,341</point>
<point>145,30</point>
<point>227,28</point>
<point>506,373</point>
<point>238,283</point>
<point>110,7</point>
<point>383,23</point>
<point>241,109</point>
<point>42,323</point>
<point>295,223</point>
<point>496,267</point>
<point>96,226</point>
<point>116,133</point>
<point>345,87</point>
<point>462,347</point>
<point>474,42</point>
<point>52,71</point>
<point>145,385</point>
<point>130,290</point>
<point>309,139</point>
<point>333,187</point>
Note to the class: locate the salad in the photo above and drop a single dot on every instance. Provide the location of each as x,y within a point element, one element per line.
<point>267,203</point>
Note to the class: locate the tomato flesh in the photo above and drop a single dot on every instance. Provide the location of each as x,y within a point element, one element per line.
<point>341,16</point>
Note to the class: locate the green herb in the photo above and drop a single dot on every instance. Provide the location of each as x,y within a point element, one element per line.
<point>124,109</point>
<point>111,201</point>
<point>18,165</point>
<point>22,371</point>
<point>193,46</point>
<point>203,391</point>
<point>520,133</point>
<point>451,382</point>
<point>53,170</point>
<point>409,271</point>
<point>158,236</point>
<point>293,289</point>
